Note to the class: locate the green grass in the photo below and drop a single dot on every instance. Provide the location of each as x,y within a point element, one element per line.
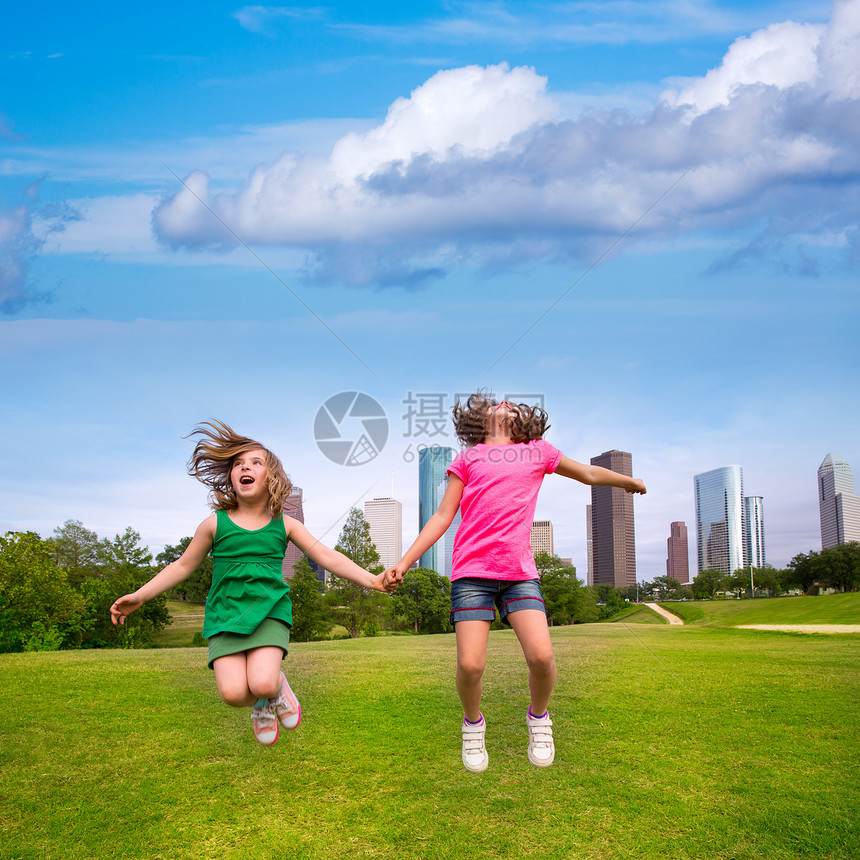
<point>672,742</point>
<point>636,613</point>
<point>825,609</point>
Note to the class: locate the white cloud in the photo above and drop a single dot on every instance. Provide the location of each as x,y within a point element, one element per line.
<point>782,56</point>
<point>475,167</point>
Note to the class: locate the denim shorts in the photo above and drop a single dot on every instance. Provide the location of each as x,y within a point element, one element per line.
<point>476,599</point>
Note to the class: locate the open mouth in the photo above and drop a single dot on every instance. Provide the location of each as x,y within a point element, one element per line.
<point>246,480</point>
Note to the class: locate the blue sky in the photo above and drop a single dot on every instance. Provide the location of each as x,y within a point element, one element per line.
<point>645,213</point>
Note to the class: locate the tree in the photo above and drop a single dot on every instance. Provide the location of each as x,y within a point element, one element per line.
<point>842,564</point>
<point>351,605</point>
<point>585,608</point>
<point>667,587</point>
<point>611,597</point>
<point>77,549</point>
<point>196,587</point>
<point>763,578</point>
<point>125,567</point>
<point>355,543</point>
<point>558,584</point>
<point>836,567</point>
<point>39,609</point>
<point>708,583</point>
<point>124,551</point>
<point>423,601</point>
<point>310,619</point>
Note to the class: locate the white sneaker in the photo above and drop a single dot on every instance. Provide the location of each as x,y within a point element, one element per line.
<point>475,758</point>
<point>286,706</point>
<point>265,724</point>
<point>541,745</point>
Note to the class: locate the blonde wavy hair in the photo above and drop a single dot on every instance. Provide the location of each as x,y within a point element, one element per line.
<point>212,460</point>
<point>470,420</point>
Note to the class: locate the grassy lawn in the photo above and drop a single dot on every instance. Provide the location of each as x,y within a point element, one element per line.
<point>825,609</point>
<point>672,742</point>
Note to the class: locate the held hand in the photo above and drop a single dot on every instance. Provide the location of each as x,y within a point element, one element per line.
<point>397,572</point>
<point>383,582</point>
<point>123,607</point>
<point>638,488</point>
<point>390,580</point>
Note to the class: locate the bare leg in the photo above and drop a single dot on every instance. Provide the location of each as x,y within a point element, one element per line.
<point>264,671</point>
<point>532,631</point>
<point>472,637</point>
<point>249,675</point>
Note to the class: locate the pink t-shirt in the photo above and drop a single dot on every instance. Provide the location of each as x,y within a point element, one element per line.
<point>498,507</point>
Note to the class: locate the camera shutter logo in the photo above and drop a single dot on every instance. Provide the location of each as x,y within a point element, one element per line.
<point>351,428</point>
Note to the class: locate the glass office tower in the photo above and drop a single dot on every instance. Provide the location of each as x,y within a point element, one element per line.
<point>754,554</point>
<point>433,465</point>
<point>719,519</point>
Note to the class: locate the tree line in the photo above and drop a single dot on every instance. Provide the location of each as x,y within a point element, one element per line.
<point>55,593</point>
<point>836,568</point>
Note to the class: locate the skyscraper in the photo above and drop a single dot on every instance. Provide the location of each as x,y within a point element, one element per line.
<point>541,537</point>
<point>678,559</point>
<point>433,465</point>
<point>385,518</point>
<point>612,529</point>
<point>719,519</point>
<point>838,507</point>
<point>294,508</point>
<point>589,548</point>
<point>754,554</point>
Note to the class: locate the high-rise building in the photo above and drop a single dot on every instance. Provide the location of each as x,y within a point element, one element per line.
<point>719,519</point>
<point>433,465</point>
<point>541,537</point>
<point>589,548</point>
<point>612,528</point>
<point>446,546</point>
<point>294,508</point>
<point>678,559</point>
<point>754,554</point>
<point>838,507</point>
<point>385,518</point>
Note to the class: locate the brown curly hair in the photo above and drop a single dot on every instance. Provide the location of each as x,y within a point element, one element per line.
<point>470,421</point>
<point>212,460</point>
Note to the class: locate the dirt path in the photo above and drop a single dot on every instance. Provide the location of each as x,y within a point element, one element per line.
<point>804,628</point>
<point>669,616</point>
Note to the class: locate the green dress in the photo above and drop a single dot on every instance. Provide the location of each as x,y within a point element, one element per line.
<point>247,579</point>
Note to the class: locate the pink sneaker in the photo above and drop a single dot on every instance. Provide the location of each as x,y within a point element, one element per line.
<point>265,724</point>
<point>286,706</point>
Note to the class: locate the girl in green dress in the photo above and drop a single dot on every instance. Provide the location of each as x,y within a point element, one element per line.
<point>248,610</point>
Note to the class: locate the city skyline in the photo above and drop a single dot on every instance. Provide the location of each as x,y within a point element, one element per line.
<point>724,484</point>
<point>253,210</point>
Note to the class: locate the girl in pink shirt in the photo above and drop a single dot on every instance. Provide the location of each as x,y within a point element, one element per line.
<point>495,484</point>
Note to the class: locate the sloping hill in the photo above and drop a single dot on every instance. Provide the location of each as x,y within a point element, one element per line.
<point>826,609</point>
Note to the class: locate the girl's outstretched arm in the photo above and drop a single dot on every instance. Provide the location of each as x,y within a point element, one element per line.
<point>435,527</point>
<point>175,572</point>
<point>334,561</point>
<point>597,476</point>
